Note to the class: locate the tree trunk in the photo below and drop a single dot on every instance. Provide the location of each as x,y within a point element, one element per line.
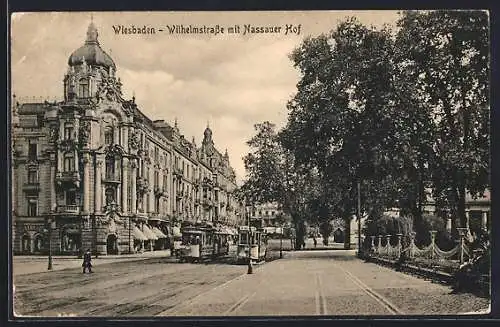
<point>347,234</point>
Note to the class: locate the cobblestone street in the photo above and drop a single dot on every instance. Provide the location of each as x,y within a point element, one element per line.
<point>303,283</point>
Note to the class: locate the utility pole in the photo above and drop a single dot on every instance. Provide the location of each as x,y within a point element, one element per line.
<point>359,218</point>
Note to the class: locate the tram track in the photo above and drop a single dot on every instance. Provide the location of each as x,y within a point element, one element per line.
<point>321,304</point>
<point>385,303</point>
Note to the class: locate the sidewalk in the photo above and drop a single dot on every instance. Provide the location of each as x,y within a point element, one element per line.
<point>22,265</point>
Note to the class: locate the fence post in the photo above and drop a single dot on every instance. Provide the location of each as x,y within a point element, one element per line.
<point>461,233</point>
<point>379,247</point>
<point>388,244</point>
<point>372,245</point>
<point>412,244</point>
<point>399,244</point>
<point>433,242</point>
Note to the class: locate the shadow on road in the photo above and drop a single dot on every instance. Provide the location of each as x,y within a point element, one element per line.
<point>339,255</point>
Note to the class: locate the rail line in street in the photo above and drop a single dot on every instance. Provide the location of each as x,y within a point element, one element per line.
<point>369,291</point>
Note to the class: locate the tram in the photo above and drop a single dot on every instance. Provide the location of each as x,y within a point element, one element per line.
<point>197,243</point>
<point>222,239</point>
<point>252,244</point>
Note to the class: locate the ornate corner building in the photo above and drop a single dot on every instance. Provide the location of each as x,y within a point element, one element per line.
<point>93,172</point>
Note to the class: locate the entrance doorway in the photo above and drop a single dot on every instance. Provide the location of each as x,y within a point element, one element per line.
<point>112,244</point>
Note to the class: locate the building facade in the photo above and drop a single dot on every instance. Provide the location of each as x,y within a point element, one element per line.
<point>92,171</point>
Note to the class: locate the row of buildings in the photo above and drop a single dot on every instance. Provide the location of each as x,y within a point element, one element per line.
<point>93,171</point>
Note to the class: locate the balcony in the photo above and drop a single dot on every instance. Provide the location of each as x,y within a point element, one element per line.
<point>68,209</point>
<point>67,176</point>
<point>112,178</point>
<point>160,191</point>
<point>178,172</point>
<point>31,187</point>
<point>207,203</point>
<point>142,184</point>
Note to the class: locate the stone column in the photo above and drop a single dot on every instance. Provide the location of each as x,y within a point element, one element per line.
<point>75,153</point>
<point>484,221</point>
<point>124,184</point>
<point>467,219</point>
<point>86,184</point>
<point>151,178</point>
<point>98,187</point>
<point>133,181</point>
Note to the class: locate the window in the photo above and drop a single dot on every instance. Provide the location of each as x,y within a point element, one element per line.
<point>83,88</point>
<point>272,213</point>
<point>68,131</point>
<point>156,154</point>
<point>110,168</point>
<point>165,182</point>
<point>129,196</point>
<point>69,162</point>
<point>71,197</point>
<point>32,151</point>
<point>32,177</point>
<point>108,135</point>
<point>32,207</point>
<point>110,195</point>
<point>267,213</point>
<point>157,179</point>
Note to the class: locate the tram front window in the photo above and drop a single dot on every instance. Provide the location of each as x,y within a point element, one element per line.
<point>244,238</point>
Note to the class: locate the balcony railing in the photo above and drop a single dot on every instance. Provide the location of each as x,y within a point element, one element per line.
<point>68,208</point>
<point>33,187</point>
<point>68,176</point>
<point>112,178</point>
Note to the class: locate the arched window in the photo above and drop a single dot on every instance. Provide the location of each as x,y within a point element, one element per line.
<point>108,135</point>
<point>83,88</point>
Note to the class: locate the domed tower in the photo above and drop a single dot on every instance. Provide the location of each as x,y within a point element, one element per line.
<point>88,66</point>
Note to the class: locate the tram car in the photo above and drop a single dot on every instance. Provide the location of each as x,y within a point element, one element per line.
<point>222,239</point>
<point>252,244</point>
<point>197,243</point>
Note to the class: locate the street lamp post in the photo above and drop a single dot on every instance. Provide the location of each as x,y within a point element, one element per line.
<point>49,267</point>
<point>281,242</point>
<point>359,218</point>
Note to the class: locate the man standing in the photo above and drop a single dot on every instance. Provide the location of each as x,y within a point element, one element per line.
<point>87,258</point>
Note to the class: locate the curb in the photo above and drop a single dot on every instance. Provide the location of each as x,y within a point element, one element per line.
<point>436,275</point>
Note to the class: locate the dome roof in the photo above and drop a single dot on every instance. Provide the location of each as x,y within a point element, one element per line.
<point>91,51</point>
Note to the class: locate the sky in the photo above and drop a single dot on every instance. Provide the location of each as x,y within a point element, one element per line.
<point>229,81</point>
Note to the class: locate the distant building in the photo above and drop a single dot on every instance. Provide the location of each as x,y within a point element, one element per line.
<point>108,177</point>
<point>267,215</point>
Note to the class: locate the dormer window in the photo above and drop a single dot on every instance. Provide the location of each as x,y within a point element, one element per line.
<point>83,88</point>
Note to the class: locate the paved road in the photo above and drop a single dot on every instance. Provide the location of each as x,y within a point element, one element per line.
<point>303,283</point>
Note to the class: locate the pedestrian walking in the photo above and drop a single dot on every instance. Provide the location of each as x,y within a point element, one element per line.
<point>315,242</point>
<point>87,261</point>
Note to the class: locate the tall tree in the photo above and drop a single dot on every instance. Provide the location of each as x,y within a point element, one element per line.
<point>447,59</point>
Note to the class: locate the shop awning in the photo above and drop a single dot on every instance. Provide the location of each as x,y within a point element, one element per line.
<point>149,233</point>
<point>159,233</point>
<point>176,231</point>
<point>138,235</point>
